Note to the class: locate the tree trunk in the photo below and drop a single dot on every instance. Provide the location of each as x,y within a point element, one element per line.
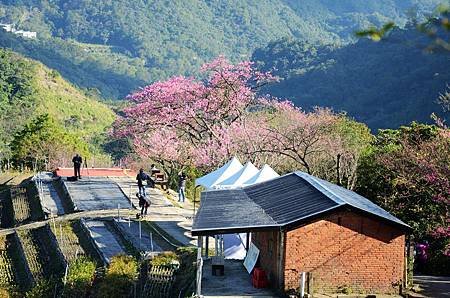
<point>338,168</point>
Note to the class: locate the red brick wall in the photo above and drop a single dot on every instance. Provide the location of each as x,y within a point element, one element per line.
<point>267,243</point>
<point>346,249</point>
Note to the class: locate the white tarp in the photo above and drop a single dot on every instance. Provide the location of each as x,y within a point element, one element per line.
<point>266,173</point>
<point>234,246</point>
<point>238,179</point>
<point>226,171</point>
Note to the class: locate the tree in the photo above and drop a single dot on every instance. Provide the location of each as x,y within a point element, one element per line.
<point>408,174</point>
<point>185,122</point>
<point>42,143</point>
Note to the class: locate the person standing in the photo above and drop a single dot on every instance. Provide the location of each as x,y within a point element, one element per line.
<point>181,187</point>
<point>77,162</point>
<point>141,177</point>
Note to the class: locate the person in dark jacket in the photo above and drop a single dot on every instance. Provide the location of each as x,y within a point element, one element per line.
<point>143,203</point>
<point>77,162</point>
<point>141,177</point>
<point>181,187</point>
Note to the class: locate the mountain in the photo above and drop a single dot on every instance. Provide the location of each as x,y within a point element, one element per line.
<point>28,90</point>
<point>112,47</point>
<point>384,84</point>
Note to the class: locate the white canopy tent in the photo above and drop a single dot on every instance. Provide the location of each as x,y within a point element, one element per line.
<point>266,173</point>
<point>237,180</point>
<point>234,175</point>
<point>221,174</point>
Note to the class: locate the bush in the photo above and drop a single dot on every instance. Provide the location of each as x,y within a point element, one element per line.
<point>44,288</point>
<point>165,259</point>
<point>80,277</point>
<point>119,279</point>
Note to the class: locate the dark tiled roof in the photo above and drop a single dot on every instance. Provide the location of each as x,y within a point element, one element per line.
<point>276,203</point>
<point>230,209</point>
<point>351,198</point>
<point>288,199</point>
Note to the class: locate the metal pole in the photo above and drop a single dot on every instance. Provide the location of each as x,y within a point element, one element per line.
<point>151,240</point>
<point>195,197</point>
<point>140,234</point>
<point>54,223</point>
<point>247,241</point>
<point>60,233</point>
<point>207,246</point>
<point>118,211</point>
<point>65,274</point>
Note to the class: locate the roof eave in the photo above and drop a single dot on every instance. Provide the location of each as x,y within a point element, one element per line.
<point>233,230</point>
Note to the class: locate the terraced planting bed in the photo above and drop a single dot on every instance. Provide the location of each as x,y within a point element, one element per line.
<point>7,275</point>
<point>42,254</point>
<point>21,207</point>
<point>68,241</point>
<point>23,277</point>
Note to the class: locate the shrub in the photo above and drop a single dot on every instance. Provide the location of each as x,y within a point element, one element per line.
<point>80,277</point>
<point>119,279</point>
<point>165,259</point>
<point>44,288</point>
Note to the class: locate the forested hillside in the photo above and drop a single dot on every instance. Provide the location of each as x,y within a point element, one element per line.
<point>145,41</point>
<point>385,84</point>
<point>39,110</point>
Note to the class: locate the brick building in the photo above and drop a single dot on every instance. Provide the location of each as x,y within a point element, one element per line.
<point>301,223</point>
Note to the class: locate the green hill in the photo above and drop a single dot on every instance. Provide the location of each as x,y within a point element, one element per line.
<point>146,41</point>
<point>28,90</point>
<point>384,85</point>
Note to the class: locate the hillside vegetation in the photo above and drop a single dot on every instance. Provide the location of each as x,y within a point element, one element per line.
<point>384,85</point>
<point>148,41</point>
<point>40,111</point>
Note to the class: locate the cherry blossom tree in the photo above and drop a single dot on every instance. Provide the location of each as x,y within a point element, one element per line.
<point>202,123</point>
<point>184,121</point>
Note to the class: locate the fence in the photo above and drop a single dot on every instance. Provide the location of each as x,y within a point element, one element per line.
<point>159,282</point>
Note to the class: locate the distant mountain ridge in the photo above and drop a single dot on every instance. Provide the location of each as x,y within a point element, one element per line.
<point>148,41</point>
<point>384,84</point>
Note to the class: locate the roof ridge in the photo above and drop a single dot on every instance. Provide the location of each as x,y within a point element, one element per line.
<point>320,187</point>
<point>259,206</point>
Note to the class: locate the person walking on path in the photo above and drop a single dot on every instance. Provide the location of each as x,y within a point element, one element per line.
<point>77,162</point>
<point>181,187</point>
<point>143,203</point>
<point>141,177</point>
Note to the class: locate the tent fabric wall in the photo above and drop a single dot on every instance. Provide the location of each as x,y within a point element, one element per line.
<point>233,175</point>
<point>265,174</point>
<point>226,171</point>
<point>237,180</point>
